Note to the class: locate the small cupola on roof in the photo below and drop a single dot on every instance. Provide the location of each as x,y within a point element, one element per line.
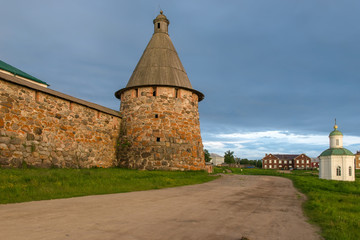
<point>160,64</point>
<point>161,23</point>
<point>336,138</point>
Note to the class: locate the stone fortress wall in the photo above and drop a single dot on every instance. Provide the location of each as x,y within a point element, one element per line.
<point>160,129</point>
<point>43,128</point>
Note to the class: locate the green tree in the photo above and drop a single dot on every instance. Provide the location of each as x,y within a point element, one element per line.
<point>245,161</point>
<point>207,155</point>
<point>229,157</point>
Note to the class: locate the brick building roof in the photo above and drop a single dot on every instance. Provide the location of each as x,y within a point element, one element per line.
<point>285,156</point>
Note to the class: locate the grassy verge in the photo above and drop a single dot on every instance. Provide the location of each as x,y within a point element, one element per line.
<point>332,205</point>
<point>22,185</point>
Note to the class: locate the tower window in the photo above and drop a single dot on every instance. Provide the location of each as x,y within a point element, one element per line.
<point>158,25</point>
<point>156,115</point>
<point>350,171</point>
<point>158,139</point>
<point>176,93</point>
<point>136,92</point>
<point>337,142</point>
<point>154,92</point>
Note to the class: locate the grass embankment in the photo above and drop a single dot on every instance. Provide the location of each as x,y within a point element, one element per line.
<point>22,185</point>
<point>332,205</point>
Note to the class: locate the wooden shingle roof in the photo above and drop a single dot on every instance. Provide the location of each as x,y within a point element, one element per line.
<point>160,64</point>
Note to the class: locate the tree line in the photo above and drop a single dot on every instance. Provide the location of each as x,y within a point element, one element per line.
<point>230,158</point>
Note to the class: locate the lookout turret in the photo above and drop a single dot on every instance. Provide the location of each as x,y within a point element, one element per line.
<point>160,127</point>
<point>161,23</point>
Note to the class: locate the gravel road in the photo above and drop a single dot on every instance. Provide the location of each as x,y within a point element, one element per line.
<point>231,207</point>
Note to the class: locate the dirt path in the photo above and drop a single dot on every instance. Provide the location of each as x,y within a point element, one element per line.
<point>232,207</point>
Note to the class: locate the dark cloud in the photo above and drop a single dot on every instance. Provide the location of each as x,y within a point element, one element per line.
<point>262,65</point>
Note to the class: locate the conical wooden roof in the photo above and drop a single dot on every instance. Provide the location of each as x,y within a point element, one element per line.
<point>160,64</point>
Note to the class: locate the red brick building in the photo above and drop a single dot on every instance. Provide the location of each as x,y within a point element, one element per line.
<point>286,161</point>
<point>315,163</point>
<point>357,160</point>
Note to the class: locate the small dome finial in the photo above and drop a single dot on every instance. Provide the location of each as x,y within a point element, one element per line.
<point>161,12</point>
<point>335,126</point>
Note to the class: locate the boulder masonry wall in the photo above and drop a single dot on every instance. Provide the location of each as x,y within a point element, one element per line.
<point>43,128</point>
<point>161,131</point>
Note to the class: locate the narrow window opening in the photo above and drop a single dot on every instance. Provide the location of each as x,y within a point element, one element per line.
<point>350,171</point>
<point>136,92</point>
<point>338,171</point>
<point>337,142</point>
<point>176,93</point>
<point>154,92</point>
<point>158,25</point>
<point>158,139</point>
<point>156,116</point>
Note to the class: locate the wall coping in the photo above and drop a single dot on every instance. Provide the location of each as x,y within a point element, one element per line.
<point>35,87</point>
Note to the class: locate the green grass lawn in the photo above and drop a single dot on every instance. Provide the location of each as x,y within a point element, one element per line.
<point>332,205</point>
<point>22,185</point>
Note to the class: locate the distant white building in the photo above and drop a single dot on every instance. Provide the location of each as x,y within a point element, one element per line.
<point>337,163</point>
<point>216,159</point>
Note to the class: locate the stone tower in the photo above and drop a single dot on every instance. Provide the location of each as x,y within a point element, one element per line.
<point>160,127</point>
<point>337,162</point>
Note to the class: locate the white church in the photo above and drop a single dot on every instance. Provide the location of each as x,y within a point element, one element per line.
<point>337,163</point>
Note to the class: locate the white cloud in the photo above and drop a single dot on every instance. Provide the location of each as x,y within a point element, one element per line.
<point>254,145</point>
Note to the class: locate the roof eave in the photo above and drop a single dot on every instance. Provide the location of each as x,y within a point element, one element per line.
<point>200,95</point>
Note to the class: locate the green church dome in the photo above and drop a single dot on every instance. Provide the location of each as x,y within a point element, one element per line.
<point>336,151</point>
<point>335,132</point>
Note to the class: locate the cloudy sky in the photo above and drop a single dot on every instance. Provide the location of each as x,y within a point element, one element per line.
<point>275,73</point>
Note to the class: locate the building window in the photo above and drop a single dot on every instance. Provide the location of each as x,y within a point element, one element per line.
<point>285,162</point>
<point>280,161</point>
<point>350,171</point>
<point>297,161</point>
<point>265,161</point>
<point>156,115</point>
<point>270,161</point>
<point>302,161</point>
<point>280,165</point>
<point>307,161</point>
<point>136,92</point>
<point>337,142</point>
<point>338,171</point>
<point>290,161</point>
<point>265,166</point>
<point>269,166</point>
<point>158,25</point>
<point>176,92</point>
<point>158,139</point>
<point>274,161</point>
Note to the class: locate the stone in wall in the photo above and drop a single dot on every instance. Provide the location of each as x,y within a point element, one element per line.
<point>42,130</point>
